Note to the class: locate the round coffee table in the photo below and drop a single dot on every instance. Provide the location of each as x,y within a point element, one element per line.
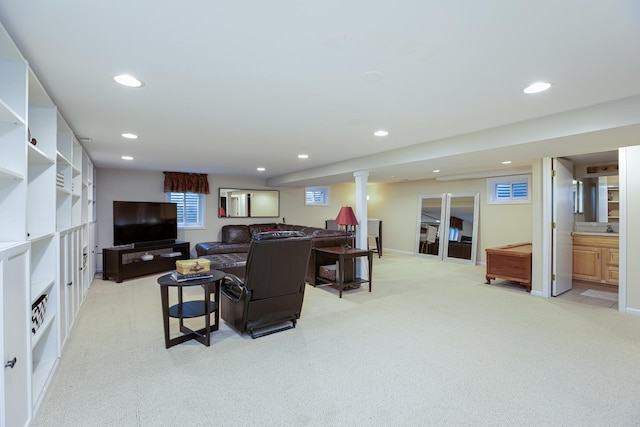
<point>189,309</point>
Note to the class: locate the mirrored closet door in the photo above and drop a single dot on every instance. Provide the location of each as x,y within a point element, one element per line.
<point>447,227</point>
<point>462,228</point>
<point>430,220</point>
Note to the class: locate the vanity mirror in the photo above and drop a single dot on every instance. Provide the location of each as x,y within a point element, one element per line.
<point>596,199</point>
<point>245,203</point>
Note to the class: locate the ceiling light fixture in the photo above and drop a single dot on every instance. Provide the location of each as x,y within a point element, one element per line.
<point>506,162</point>
<point>260,169</point>
<point>126,158</point>
<point>381,133</point>
<point>372,76</point>
<point>130,135</point>
<point>303,156</point>
<point>128,80</point>
<point>436,170</point>
<point>537,87</point>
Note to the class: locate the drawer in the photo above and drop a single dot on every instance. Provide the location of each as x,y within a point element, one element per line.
<point>611,256</point>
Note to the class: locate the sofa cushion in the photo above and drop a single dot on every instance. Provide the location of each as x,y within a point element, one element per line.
<point>236,234</point>
<point>210,248</point>
<point>230,263</point>
<point>259,228</point>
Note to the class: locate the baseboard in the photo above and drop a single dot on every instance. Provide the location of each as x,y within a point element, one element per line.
<point>632,311</point>
<point>537,293</point>
<point>396,251</point>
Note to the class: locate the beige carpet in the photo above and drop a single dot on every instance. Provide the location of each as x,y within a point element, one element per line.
<point>432,345</point>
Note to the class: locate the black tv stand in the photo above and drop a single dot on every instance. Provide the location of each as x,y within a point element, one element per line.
<point>122,263</point>
<point>154,243</point>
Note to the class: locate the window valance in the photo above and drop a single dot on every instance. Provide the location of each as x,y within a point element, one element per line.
<point>180,182</point>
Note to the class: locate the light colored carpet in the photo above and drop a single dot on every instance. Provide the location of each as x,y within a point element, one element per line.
<point>431,345</point>
<point>610,296</point>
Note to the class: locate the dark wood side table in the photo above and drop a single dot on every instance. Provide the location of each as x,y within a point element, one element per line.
<point>189,309</point>
<point>343,255</point>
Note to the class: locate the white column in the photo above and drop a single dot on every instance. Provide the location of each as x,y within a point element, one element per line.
<point>361,178</point>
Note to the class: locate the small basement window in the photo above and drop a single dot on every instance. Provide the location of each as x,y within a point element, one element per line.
<point>190,209</point>
<point>509,189</point>
<point>316,196</point>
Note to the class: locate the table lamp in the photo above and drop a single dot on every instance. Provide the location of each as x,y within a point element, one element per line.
<point>346,217</point>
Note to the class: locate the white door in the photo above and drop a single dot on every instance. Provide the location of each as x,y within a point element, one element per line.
<point>62,289</point>
<point>562,247</point>
<point>15,392</point>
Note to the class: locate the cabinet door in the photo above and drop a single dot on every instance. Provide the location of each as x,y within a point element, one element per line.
<point>610,269</point>
<point>587,264</point>
<point>62,289</point>
<point>14,280</point>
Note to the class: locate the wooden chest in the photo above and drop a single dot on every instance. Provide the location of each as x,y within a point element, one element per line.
<point>510,262</point>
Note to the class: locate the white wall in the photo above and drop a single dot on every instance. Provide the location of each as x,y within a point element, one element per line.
<point>632,234</point>
<point>295,212</point>
<point>120,184</point>
<point>395,204</point>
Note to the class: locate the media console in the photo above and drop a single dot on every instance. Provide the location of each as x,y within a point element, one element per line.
<point>126,262</point>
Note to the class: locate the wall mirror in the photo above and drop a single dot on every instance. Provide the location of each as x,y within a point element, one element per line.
<point>596,199</point>
<point>430,220</point>
<point>462,227</point>
<point>244,203</point>
<point>447,227</point>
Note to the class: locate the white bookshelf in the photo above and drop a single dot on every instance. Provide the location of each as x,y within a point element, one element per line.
<point>15,380</point>
<point>48,210</point>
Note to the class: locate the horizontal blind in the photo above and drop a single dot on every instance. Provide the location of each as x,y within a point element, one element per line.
<point>188,205</point>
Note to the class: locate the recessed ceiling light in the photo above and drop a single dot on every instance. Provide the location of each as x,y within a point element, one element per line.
<point>436,170</point>
<point>126,158</point>
<point>537,87</point>
<point>260,169</point>
<point>381,133</point>
<point>506,162</point>
<point>128,80</point>
<point>372,76</point>
<point>130,135</point>
<point>303,156</point>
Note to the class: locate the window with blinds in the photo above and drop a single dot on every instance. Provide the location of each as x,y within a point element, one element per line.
<point>509,189</point>
<point>190,209</point>
<point>316,196</point>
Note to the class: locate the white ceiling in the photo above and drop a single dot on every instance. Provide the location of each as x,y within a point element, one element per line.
<point>233,85</point>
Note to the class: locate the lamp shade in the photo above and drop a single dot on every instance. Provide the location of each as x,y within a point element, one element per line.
<point>346,216</point>
<point>221,211</point>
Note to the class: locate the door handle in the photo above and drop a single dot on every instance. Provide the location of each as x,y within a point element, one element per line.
<point>10,363</point>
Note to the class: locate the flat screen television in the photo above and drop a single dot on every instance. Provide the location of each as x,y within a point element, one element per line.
<point>144,222</point>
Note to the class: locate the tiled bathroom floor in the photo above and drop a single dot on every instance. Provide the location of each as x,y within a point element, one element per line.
<point>575,294</point>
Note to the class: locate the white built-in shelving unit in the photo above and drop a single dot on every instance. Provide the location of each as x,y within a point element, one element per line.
<point>47,206</point>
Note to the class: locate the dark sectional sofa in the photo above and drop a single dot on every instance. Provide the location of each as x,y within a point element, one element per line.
<point>230,252</point>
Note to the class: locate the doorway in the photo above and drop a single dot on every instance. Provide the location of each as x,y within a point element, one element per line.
<point>593,250</point>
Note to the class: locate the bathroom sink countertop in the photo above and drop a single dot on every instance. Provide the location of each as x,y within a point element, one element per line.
<point>594,233</point>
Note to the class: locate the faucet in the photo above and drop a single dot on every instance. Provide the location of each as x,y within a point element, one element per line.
<point>609,228</point>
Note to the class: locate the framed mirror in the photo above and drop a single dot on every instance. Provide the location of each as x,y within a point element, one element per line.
<point>448,226</point>
<point>461,222</point>
<point>596,199</point>
<point>430,221</point>
<point>246,203</point>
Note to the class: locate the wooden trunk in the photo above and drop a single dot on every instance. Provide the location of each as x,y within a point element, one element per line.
<point>511,262</point>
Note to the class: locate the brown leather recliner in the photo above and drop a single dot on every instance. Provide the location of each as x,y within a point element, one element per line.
<point>272,290</point>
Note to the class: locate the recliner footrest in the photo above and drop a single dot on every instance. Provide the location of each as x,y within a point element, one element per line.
<point>270,330</point>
